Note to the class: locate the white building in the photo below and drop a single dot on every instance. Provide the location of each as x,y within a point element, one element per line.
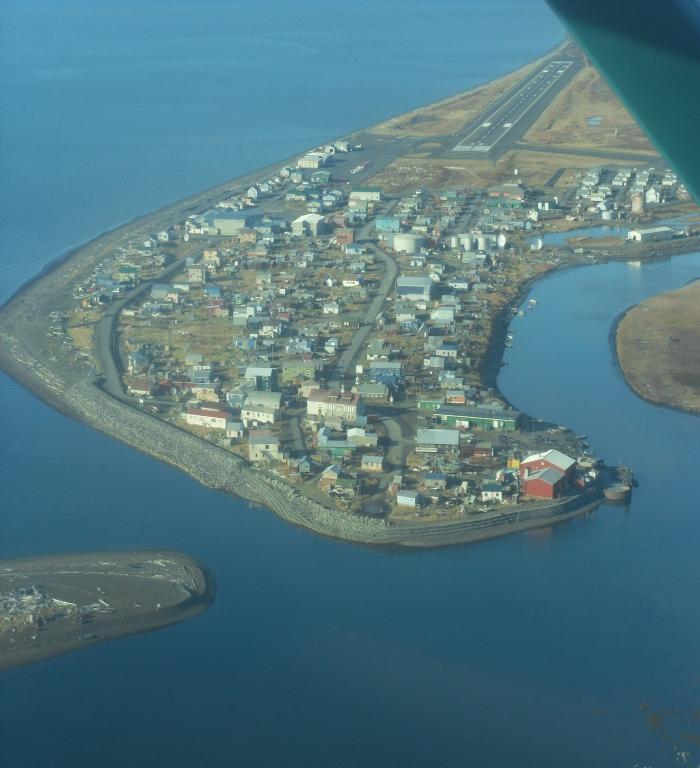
<point>332,404</point>
<point>200,417</point>
<point>653,234</point>
<point>366,194</point>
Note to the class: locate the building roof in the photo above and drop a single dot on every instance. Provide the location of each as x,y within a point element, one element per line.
<point>262,437</point>
<point>265,399</point>
<point>252,371</point>
<point>557,458</point>
<point>208,412</point>
<point>310,218</point>
<point>653,230</point>
<point>438,436</point>
<point>333,396</point>
<point>479,411</point>
<point>414,281</point>
<point>547,475</point>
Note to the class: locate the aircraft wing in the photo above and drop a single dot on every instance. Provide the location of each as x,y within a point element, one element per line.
<point>649,52</point>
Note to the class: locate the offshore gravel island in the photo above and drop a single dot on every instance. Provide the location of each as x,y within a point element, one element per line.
<point>61,603</point>
<point>323,336</point>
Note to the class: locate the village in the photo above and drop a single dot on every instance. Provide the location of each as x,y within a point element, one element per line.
<point>345,338</point>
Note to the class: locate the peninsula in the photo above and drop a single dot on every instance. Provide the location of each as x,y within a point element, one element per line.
<point>323,336</point>
<point>62,603</point>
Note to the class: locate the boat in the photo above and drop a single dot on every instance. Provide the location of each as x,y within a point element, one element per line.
<point>617,492</point>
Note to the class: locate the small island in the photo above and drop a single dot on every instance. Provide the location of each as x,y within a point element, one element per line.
<point>658,348</point>
<point>61,603</point>
<point>323,336</point>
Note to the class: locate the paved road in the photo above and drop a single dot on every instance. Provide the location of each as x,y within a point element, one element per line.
<point>397,450</point>
<point>106,341</point>
<point>346,361</point>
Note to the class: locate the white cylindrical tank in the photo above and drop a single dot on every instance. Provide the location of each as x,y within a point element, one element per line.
<point>501,240</point>
<point>481,242</point>
<point>454,242</point>
<point>637,204</point>
<point>406,242</point>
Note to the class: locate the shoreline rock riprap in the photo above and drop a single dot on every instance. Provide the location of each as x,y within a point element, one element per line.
<point>221,470</point>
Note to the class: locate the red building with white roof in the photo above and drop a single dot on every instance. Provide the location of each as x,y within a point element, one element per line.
<point>547,475</point>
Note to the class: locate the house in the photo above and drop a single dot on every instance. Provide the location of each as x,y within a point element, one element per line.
<point>313,160</point>
<point>310,224</point>
<point>332,472</point>
<point>344,236</point>
<point>372,462</point>
<point>492,491</point>
<point>378,349</point>
<point>386,372</point>
<point>261,408</point>
<point>263,378</point>
<point>196,274</point>
<point>435,481</point>
<point>299,467</point>
<point>298,369</point>
<point>389,224</point>
<point>235,429</point>
<point>334,405</point>
<point>372,391</point>
<point>414,288</point>
<point>407,498</point>
<point>138,361</point>
<point>430,402</point>
<point>141,386</point>
<point>320,177</point>
<point>358,436</point>
<point>366,194</point>
<point>205,417</point>
<point>227,223</point>
<point>437,440</point>
<point>263,446</point>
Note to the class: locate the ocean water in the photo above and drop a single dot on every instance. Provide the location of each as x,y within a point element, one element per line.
<point>537,650</point>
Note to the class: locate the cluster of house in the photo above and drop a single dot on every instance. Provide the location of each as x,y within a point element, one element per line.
<point>291,291</point>
<point>625,190</point>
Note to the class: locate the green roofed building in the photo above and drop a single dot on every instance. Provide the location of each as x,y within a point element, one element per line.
<point>479,417</point>
<point>431,403</point>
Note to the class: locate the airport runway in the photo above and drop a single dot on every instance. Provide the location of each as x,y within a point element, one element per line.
<point>505,122</point>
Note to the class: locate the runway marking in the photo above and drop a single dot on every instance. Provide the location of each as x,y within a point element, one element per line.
<point>520,96</point>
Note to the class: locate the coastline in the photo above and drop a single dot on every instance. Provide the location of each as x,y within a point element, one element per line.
<point>67,639</point>
<point>81,398</point>
<point>614,342</point>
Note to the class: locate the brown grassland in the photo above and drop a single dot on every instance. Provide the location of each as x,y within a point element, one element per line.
<point>658,346</point>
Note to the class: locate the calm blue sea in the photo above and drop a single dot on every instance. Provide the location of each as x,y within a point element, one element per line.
<point>537,650</point>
